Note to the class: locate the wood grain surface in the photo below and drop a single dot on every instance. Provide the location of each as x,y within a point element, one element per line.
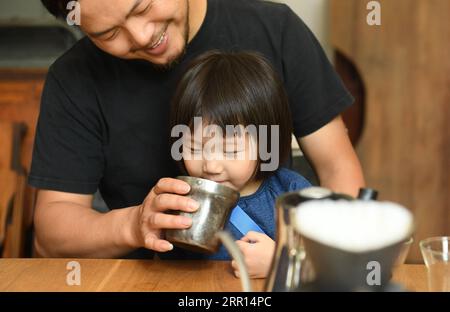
<point>148,275</point>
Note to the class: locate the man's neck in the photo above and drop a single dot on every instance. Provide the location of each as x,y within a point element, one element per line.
<point>197,14</point>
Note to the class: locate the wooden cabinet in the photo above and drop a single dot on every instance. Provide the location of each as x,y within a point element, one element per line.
<point>20,93</point>
<point>405,67</point>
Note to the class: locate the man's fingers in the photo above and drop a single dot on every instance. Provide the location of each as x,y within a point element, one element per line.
<point>170,185</point>
<point>167,201</point>
<point>156,244</point>
<point>165,221</point>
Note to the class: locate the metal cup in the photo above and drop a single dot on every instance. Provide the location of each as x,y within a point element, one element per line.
<point>216,203</point>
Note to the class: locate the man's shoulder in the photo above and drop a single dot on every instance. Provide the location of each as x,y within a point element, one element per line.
<point>254,4</point>
<point>255,8</point>
<point>75,75</point>
<point>78,59</point>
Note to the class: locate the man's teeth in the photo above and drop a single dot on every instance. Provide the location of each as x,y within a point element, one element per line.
<point>159,41</point>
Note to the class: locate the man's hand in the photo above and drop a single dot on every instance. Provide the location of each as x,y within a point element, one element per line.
<point>112,234</point>
<point>151,217</point>
<point>258,250</point>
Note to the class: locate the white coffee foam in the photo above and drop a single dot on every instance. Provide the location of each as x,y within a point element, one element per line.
<point>354,226</point>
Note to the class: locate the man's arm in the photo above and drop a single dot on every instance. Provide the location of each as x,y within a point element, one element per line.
<point>67,226</point>
<point>332,155</point>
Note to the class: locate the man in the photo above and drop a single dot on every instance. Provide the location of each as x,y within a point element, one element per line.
<point>104,116</point>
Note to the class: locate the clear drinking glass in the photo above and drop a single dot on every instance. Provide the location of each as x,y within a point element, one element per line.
<point>435,252</point>
<point>404,252</point>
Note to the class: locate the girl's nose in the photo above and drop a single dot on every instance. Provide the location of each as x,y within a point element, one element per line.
<point>212,166</point>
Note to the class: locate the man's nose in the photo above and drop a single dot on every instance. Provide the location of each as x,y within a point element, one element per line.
<point>141,32</point>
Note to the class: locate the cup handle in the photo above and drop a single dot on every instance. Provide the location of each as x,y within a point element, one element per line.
<point>237,256</point>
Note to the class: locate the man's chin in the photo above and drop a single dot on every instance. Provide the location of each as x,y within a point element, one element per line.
<point>163,63</point>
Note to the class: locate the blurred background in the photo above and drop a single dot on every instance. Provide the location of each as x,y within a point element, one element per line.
<point>398,72</point>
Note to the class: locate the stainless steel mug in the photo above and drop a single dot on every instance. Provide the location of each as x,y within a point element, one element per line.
<point>216,203</point>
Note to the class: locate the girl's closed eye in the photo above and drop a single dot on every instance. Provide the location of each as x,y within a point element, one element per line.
<point>233,152</point>
<point>194,150</point>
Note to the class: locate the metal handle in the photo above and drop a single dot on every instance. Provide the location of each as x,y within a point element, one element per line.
<point>237,256</point>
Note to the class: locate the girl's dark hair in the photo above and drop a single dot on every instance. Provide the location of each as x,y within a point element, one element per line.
<point>238,88</point>
<point>57,8</point>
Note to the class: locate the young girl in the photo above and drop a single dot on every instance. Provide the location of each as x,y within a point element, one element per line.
<point>229,89</point>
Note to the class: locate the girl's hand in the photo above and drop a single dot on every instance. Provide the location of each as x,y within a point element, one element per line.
<point>258,250</point>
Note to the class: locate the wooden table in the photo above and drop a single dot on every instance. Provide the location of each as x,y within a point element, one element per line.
<point>146,275</point>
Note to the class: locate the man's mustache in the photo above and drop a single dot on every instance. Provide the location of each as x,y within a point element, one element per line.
<point>153,40</point>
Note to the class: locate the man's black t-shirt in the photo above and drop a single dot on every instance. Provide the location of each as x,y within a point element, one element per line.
<point>104,121</point>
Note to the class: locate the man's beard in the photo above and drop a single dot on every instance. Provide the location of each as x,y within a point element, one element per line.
<point>172,63</point>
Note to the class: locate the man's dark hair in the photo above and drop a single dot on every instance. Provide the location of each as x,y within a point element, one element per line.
<point>238,88</point>
<point>57,8</point>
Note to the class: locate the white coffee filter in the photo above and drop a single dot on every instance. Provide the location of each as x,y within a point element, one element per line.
<point>354,226</point>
